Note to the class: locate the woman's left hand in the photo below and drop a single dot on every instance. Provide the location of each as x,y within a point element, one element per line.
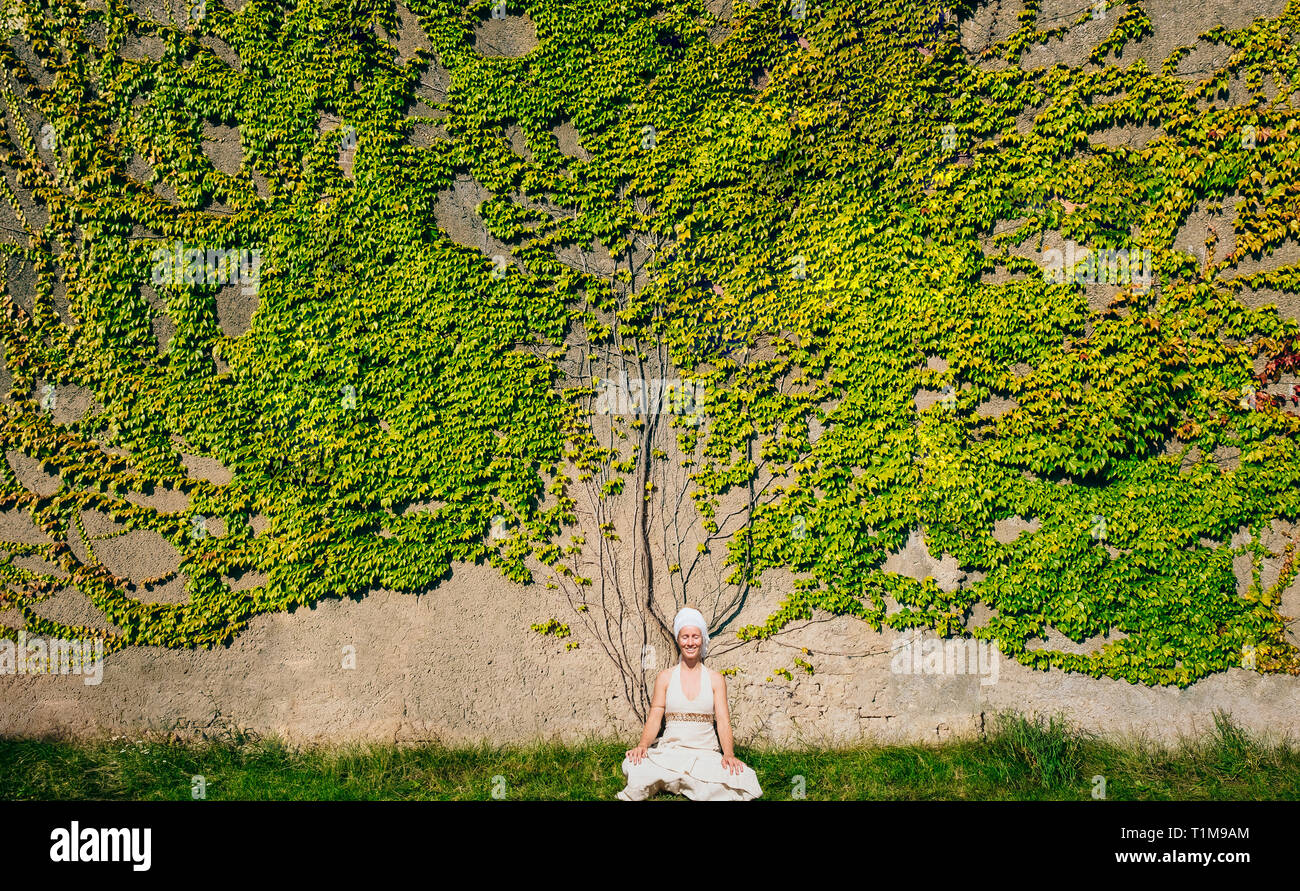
<point>733,764</point>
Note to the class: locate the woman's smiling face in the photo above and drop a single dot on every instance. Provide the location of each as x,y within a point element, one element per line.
<point>690,639</point>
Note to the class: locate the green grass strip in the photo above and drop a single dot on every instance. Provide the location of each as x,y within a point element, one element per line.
<point>1018,758</point>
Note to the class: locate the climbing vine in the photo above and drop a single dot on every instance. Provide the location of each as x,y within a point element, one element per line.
<point>814,214</point>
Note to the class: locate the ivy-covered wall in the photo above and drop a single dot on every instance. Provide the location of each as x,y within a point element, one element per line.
<point>871,234</point>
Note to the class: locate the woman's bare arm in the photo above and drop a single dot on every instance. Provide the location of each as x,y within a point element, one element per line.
<point>654,720</point>
<point>723,717</point>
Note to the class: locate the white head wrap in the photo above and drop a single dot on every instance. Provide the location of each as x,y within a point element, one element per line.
<point>691,617</point>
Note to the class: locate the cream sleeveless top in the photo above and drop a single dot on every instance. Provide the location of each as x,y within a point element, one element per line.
<point>676,702</point>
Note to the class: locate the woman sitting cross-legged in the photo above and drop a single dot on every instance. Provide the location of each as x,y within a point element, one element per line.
<point>688,760</point>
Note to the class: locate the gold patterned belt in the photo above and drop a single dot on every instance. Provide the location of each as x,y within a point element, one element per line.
<point>688,716</point>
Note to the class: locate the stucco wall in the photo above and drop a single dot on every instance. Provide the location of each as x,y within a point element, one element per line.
<point>459,663</point>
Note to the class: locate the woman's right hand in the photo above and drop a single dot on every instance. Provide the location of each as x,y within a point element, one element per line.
<point>635,755</point>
